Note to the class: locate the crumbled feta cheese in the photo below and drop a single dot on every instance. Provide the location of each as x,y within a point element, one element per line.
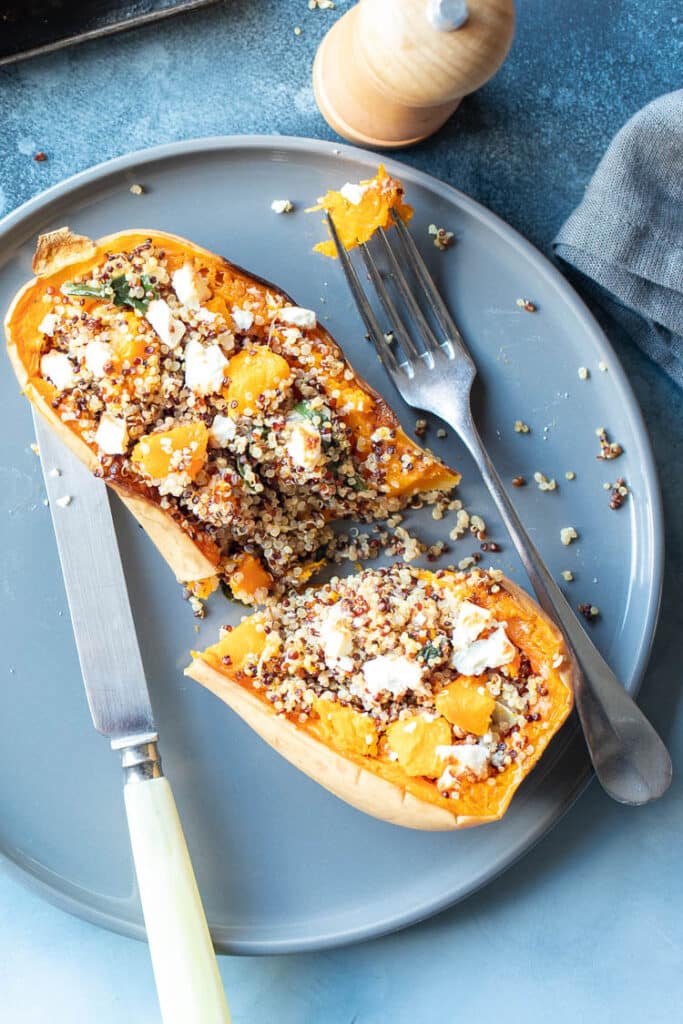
<point>242,318</point>
<point>568,534</point>
<point>97,356</point>
<point>190,287</point>
<point>336,638</point>
<point>63,501</point>
<point>111,436</point>
<point>281,206</point>
<point>473,757</point>
<point>161,318</point>
<point>297,316</point>
<point>204,368</point>
<point>206,316</point>
<point>353,193</point>
<point>470,621</point>
<point>58,368</point>
<point>391,673</point>
<point>47,324</point>
<point>304,445</point>
<point>221,431</point>
<point>493,652</point>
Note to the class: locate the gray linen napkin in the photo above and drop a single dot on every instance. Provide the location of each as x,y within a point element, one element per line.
<point>626,235</point>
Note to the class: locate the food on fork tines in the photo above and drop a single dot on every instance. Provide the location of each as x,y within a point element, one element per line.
<point>359,210</point>
<point>223,414</point>
<point>421,698</point>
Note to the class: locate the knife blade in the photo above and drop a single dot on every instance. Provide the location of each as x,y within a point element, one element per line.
<point>186,973</point>
<point>108,650</point>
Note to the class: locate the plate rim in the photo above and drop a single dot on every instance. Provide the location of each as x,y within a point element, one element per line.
<point>36,877</point>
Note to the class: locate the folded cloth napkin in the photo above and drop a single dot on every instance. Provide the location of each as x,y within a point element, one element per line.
<point>626,235</point>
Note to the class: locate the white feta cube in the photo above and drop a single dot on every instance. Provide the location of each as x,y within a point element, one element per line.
<point>304,445</point>
<point>204,368</point>
<point>59,369</point>
<point>221,431</point>
<point>297,317</point>
<point>493,652</point>
<point>111,436</point>
<point>391,673</point>
<point>353,193</point>
<point>190,287</point>
<point>242,318</point>
<point>97,356</point>
<point>169,329</point>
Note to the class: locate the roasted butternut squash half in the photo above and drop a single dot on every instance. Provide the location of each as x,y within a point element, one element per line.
<point>421,698</point>
<point>225,416</point>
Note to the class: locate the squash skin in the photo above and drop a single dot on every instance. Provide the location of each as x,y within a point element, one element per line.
<point>191,554</point>
<point>391,796</point>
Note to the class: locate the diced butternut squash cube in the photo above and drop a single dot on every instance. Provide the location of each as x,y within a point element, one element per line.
<point>415,741</point>
<point>249,578</point>
<point>236,646</point>
<point>345,729</point>
<point>463,705</point>
<point>180,450</point>
<point>253,372</point>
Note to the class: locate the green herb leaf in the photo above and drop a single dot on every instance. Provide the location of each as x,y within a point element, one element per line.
<point>90,291</point>
<point>117,291</point>
<point>432,652</point>
<point>246,471</point>
<point>122,297</point>
<point>305,409</point>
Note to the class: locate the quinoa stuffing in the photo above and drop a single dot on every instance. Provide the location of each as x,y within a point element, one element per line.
<point>443,239</point>
<point>208,390</point>
<point>608,449</point>
<point>423,670</point>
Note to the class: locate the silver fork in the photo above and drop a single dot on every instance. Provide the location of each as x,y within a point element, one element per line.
<point>629,758</point>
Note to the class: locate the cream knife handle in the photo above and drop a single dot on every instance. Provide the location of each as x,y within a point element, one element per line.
<point>185,969</point>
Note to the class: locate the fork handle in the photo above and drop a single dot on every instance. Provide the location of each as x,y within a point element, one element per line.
<point>629,758</point>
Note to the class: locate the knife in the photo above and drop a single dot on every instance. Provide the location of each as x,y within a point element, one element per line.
<point>186,973</point>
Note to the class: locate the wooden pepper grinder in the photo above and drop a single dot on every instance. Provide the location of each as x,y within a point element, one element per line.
<point>390,72</point>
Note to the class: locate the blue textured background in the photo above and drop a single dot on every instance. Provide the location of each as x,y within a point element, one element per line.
<point>589,925</point>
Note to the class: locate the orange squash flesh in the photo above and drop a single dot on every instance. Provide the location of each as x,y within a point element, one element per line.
<point>252,372</point>
<point>257,369</point>
<point>356,222</point>
<point>182,449</point>
<point>396,766</point>
<point>463,705</point>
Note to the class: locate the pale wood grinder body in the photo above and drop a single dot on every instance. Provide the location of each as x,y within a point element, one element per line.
<point>385,76</point>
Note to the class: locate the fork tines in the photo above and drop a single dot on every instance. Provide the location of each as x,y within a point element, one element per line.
<point>420,342</point>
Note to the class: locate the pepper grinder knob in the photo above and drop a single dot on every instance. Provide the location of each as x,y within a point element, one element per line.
<point>391,72</point>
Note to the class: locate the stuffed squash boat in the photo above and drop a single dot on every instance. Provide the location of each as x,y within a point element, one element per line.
<point>421,698</point>
<point>225,416</point>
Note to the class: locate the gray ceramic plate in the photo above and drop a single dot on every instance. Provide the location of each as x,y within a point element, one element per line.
<point>281,864</point>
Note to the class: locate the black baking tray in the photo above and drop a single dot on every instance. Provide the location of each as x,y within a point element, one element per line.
<point>30,27</point>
